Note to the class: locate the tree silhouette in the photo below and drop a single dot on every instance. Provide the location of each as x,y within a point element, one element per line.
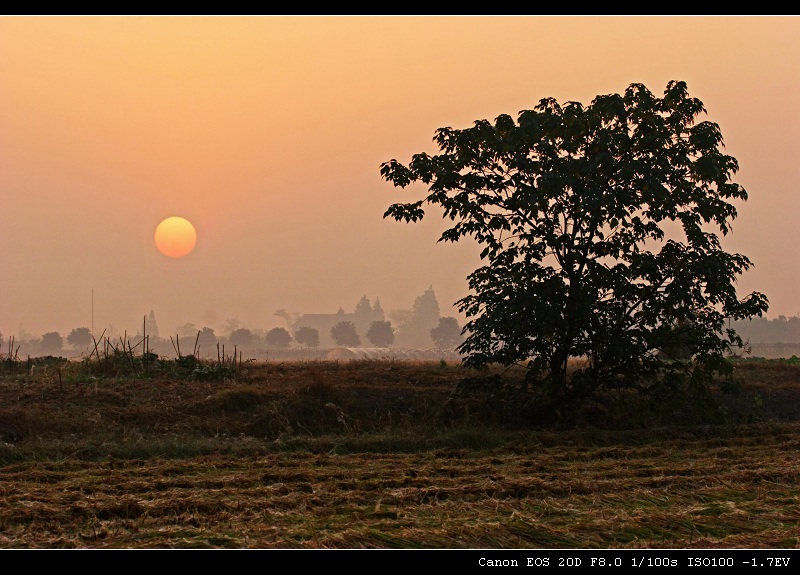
<point>447,335</point>
<point>307,336</point>
<point>151,326</point>
<point>380,334</point>
<point>289,317</point>
<point>207,339</point>
<point>278,338</point>
<point>241,337</point>
<point>187,330</point>
<point>80,337</point>
<point>571,205</point>
<point>52,342</point>
<point>414,325</point>
<point>344,334</point>
<point>363,307</point>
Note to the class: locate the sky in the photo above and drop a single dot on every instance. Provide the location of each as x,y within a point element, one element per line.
<point>268,132</point>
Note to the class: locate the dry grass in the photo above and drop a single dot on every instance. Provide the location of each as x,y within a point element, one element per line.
<point>380,455</point>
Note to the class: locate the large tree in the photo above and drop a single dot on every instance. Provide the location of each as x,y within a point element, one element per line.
<point>599,228</point>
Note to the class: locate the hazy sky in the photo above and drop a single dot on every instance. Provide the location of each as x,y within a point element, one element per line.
<point>268,134</point>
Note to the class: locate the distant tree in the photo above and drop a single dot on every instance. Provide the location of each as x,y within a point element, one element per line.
<point>80,337</point>
<point>241,337</point>
<point>363,307</point>
<point>289,317</point>
<point>187,330</point>
<point>763,330</point>
<point>231,325</point>
<point>447,335</point>
<point>278,338</point>
<point>401,317</point>
<point>207,339</point>
<point>151,326</point>
<point>52,342</point>
<point>24,335</point>
<point>307,336</point>
<point>426,306</point>
<point>414,326</point>
<point>344,334</point>
<point>381,334</point>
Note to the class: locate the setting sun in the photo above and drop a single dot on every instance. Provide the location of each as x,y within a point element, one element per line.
<point>175,237</point>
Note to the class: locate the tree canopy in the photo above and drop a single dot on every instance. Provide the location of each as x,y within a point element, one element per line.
<point>52,341</point>
<point>447,335</point>
<point>241,337</point>
<point>344,334</point>
<point>307,336</point>
<point>599,231</point>
<point>80,337</point>
<point>278,338</point>
<point>380,334</point>
<point>206,339</point>
<point>414,325</point>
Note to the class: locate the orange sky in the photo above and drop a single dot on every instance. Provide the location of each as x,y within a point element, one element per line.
<point>268,134</point>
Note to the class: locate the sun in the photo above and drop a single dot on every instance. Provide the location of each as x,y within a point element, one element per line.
<point>175,237</point>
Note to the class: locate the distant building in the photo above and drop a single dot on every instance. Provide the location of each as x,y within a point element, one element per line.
<point>362,318</point>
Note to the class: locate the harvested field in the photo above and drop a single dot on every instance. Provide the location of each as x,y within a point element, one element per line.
<point>383,455</point>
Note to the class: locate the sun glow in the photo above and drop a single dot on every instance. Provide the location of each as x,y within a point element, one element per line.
<point>175,237</point>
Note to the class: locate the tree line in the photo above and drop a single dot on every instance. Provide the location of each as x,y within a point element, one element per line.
<point>762,330</point>
<point>446,335</point>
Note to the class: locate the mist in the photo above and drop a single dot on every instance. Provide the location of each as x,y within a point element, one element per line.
<point>267,133</point>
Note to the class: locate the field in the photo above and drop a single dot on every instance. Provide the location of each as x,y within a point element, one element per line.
<point>381,455</point>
